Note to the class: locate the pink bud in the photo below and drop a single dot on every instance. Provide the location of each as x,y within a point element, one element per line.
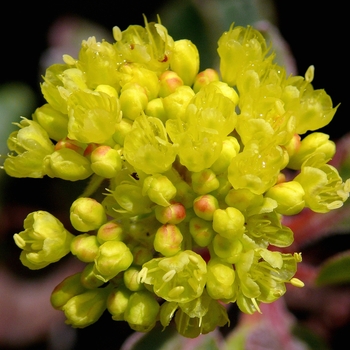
<point>172,214</point>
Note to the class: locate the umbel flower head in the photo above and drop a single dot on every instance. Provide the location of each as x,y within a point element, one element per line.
<point>196,164</point>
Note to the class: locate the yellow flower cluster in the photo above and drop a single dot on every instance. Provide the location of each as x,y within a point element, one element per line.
<point>196,165</point>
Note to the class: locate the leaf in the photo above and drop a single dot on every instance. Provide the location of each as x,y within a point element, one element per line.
<point>169,339</point>
<point>335,270</point>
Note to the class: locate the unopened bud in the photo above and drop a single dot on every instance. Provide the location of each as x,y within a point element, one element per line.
<point>175,104</point>
<point>65,290</point>
<point>228,222</point>
<point>111,231</point>
<point>131,279</point>
<point>74,145</point>
<point>185,60</point>
<point>220,279</point>
<point>106,161</point>
<point>204,181</point>
<point>167,240</point>
<point>86,308</point>
<point>67,164</point>
<point>314,143</point>
<point>205,206</point>
<point>121,129</point>
<point>242,199</point>
<point>228,249</point>
<point>201,231</point>
<point>85,247</point>
<point>89,279</point>
<point>169,81</point>
<point>155,108</point>
<point>86,214</point>
<point>117,302</point>
<point>172,214</point>
<point>289,197</point>
<point>133,100</point>
<point>52,121</point>
<point>204,78</point>
<point>230,148</point>
<point>112,258</point>
<point>142,311</point>
<point>159,189</point>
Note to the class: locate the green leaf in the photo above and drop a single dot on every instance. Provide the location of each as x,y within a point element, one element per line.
<point>335,270</point>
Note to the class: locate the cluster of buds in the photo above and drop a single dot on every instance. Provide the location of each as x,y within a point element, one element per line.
<point>201,167</point>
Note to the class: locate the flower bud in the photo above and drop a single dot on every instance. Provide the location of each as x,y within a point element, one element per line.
<point>242,199</point>
<point>204,77</point>
<point>228,249</point>
<point>289,197</point>
<point>314,143</point>
<point>67,164</point>
<point>121,129</point>
<point>155,108</point>
<point>86,214</point>
<point>159,189</point>
<point>141,311</point>
<point>228,222</point>
<point>169,81</point>
<point>106,161</point>
<point>85,247</point>
<point>117,302</point>
<point>185,60</point>
<point>112,258</point>
<point>52,121</point>
<point>204,181</point>
<point>86,308</point>
<point>44,240</point>
<point>131,199</point>
<point>133,100</point>
<point>131,280</point>
<point>167,240</point>
<point>201,231</point>
<point>88,277</point>
<point>220,279</point>
<point>230,148</point>
<point>204,206</point>
<point>74,145</point>
<point>224,187</point>
<point>175,104</point>
<point>184,194</point>
<point>111,231</point>
<point>65,290</point>
<point>293,145</point>
<point>172,214</point>
<point>144,77</point>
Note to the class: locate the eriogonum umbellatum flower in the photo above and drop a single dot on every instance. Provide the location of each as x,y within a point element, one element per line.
<point>195,162</point>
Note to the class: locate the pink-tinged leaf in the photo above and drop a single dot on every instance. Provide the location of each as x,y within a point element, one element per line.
<point>169,339</point>
<point>269,330</point>
<point>335,270</point>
